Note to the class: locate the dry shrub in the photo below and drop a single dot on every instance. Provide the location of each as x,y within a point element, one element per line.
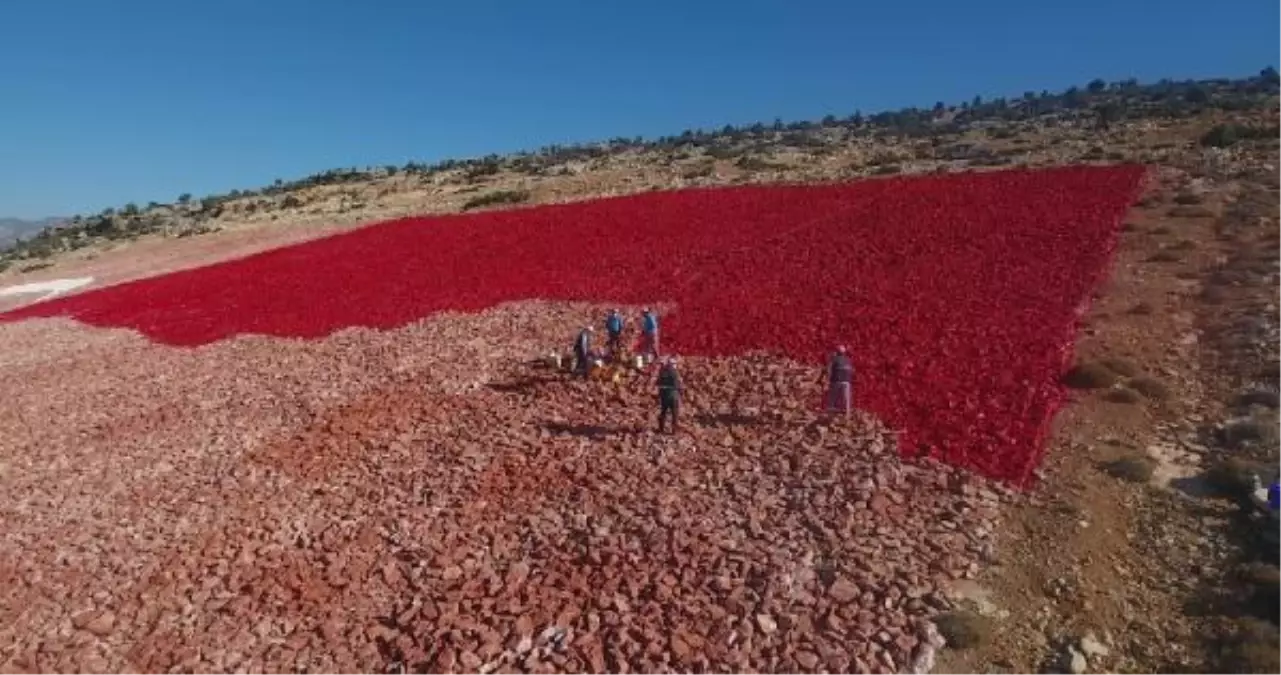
<point>963,630</point>
<point>1089,375</point>
<point>1164,256</point>
<point>1213,295</point>
<point>1142,309</point>
<point>1260,427</point>
<point>1122,395</point>
<point>1233,477</point>
<point>1250,646</point>
<point>1138,469</point>
<point>1191,212</point>
<point>1184,245</point>
<point>1261,396</point>
<point>1150,387</point>
<point>1259,574</point>
<point>1188,198</point>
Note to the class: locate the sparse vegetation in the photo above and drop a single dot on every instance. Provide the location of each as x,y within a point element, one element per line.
<point>497,198</point>
<point>749,146</point>
<point>1138,469</point>
<point>1233,477</point>
<point>964,629</point>
<point>1089,375</point>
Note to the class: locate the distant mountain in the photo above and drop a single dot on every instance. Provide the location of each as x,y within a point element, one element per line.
<point>12,228</point>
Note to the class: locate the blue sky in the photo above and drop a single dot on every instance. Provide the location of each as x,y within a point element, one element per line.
<point>107,102</point>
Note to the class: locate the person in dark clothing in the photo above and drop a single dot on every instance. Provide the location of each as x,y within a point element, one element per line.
<point>840,382</point>
<point>669,395</point>
<point>583,350</point>
<point>614,331</point>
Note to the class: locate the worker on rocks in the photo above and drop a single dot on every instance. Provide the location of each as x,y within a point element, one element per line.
<point>649,334</point>
<point>614,333</point>
<point>839,375</point>
<point>669,394</point>
<point>583,351</point>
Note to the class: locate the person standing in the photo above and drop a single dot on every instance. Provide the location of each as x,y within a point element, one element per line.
<point>669,395</point>
<point>649,333</point>
<point>583,350</point>
<point>840,382</point>
<point>614,332</point>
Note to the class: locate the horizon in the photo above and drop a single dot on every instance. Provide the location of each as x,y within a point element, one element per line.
<point>210,98</point>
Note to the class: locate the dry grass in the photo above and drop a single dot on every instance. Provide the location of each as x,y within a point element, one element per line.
<point>1164,256</point>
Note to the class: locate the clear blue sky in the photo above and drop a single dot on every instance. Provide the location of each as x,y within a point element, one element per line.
<point>104,102</point>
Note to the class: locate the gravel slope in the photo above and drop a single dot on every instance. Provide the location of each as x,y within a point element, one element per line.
<point>426,499</point>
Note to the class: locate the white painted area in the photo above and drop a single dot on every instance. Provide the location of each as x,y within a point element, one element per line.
<point>48,288</point>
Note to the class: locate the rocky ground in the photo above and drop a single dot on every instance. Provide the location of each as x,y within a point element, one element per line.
<point>429,499</point>
<point>416,500</point>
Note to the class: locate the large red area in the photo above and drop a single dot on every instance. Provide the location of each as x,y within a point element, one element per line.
<point>957,295</point>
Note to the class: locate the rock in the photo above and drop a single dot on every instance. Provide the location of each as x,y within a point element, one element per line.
<point>1092,647</point>
<point>766,623</point>
<point>806,659</point>
<point>843,591</point>
<point>1074,661</point>
<point>102,624</point>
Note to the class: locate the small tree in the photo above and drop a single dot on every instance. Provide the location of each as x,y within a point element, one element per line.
<point>184,198</point>
<point>1107,113</point>
<point>1221,136</point>
<point>1196,96</point>
<point>130,209</point>
<point>1096,86</point>
<point>1269,75</point>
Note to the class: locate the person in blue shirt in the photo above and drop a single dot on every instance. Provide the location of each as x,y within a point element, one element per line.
<point>614,332</point>
<point>649,333</point>
<point>1274,496</point>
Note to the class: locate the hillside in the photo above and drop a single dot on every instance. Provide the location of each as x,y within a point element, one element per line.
<point>1100,123</point>
<point>282,450</point>
<point>13,229</point>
